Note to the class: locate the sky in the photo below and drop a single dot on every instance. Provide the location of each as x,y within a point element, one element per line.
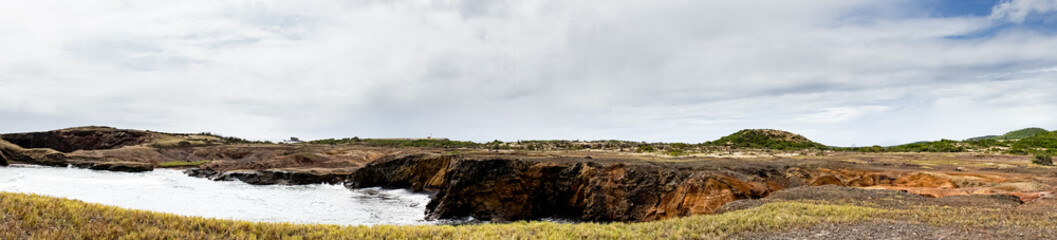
<point>843,73</point>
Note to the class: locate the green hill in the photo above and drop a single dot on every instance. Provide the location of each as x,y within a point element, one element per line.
<point>766,139</point>
<point>1044,141</point>
<point>1014,135</point>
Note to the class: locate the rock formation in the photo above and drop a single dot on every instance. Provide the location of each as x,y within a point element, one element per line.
<point>11,153</point>
<point>418,172</point>
<point>69,140</point>
<point>517,187</point>
<point>272,176</point>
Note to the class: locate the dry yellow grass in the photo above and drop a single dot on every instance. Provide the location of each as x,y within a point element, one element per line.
<point>38,217</point>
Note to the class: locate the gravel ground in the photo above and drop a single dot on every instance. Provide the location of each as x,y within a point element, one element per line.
<point>900,229</point>
<point>886,199</point>
<point>881,230</point>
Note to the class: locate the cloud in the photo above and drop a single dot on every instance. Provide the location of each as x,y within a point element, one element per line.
<point>841,114</point>
<point>840,72</point>
<point>1018,10</point>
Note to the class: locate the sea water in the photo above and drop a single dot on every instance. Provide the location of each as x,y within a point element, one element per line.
<point>171,191</point>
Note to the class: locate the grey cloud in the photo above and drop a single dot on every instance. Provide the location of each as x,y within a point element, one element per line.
<point>840,72</point>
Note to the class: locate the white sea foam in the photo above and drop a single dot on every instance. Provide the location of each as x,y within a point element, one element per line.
<point>171,191</point>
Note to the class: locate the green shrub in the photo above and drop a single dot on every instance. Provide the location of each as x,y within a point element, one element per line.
<point>1045,140</point>
<point>674,152</point>
<point>1043,159</point>
<point>645,149</point>
<point>766,139</point>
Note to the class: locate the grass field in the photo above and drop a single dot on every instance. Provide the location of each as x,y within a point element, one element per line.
<point>39,217</point>
<point>26,216</point>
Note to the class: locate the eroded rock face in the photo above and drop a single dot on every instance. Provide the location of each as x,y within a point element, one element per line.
<point>272,176</point>
<point>504,189</point>
<point>10,153</point>
<point>509,187</point>
<point>44,156</point>
<point>418,172</point>
<point>114,166</point>
<point>69,140</point>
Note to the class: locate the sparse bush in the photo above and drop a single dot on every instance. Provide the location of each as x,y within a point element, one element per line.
<point>1043,159</point>
<point>675,152</point>
<point>766,139</point>
<point>645,149</point>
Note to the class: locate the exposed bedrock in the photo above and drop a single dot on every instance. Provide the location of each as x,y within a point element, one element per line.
<point>48,157</point>
<point>69,140</point>
<point>510,189</point>
<point>9,153</point>
<point>506,188</point>
<point>272,176</point>
<point>503,189</point>
<point>85,139</point>
<point>418,172</point>
<point>115,166</point>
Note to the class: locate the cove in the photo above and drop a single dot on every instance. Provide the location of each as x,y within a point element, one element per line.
<point>171,191</point>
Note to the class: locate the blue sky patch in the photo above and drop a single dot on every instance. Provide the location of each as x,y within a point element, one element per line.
<point>958,8</point>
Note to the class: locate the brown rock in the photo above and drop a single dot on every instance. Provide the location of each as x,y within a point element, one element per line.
<point>418,172</point>
<point>502,188</point>
<point>69,140</point>
<point>122,166</point>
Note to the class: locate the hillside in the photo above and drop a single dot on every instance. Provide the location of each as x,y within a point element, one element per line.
<point>1012,135</point>
<point>766,139</point>
<point>1044,141</point>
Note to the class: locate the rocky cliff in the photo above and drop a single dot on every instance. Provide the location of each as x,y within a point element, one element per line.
<point>273,176</point>
<point>73,139</point>
<point>418,172</point>
<point>514,187</point>
<point>507,188</point>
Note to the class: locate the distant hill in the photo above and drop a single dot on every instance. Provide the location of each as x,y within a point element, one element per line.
<point>97,138</point>
<point>1044,141</point>
<point>1014,135</point>
<point>766,138</point>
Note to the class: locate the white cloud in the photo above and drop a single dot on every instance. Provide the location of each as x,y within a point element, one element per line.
<point>676,70</point>
<point>1018,10</point>
<point>841,114</point>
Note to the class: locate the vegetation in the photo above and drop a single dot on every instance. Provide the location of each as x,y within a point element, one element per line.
<point>944,145</point>
<point>1024,141</point>
<point>1042,142</point>
<point>937,146</point>
<point>767,139</point>
<point>198,139</point>
<point>24,216</point>
<point>1045,159</point>
<point>645,149</point>
<point>433,143</point>
<point>233,140</point>
<point>181,164</point>
<point>1013,135</point>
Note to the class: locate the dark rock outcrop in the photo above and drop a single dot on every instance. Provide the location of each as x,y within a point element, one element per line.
<point>503,188</point>
<point>270,177</point>
<point>418,172</point>
<point>511,189</point>
<point>11,153</point>
<point>115,166</point>
<point>519,187</point>
<point>69,140</point>
<point>44,156</point>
